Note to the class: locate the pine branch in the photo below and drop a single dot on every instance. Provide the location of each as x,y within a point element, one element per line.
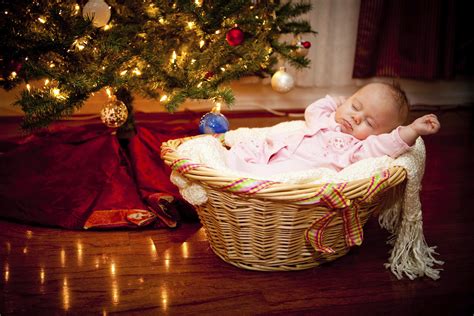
<point>170,50</point>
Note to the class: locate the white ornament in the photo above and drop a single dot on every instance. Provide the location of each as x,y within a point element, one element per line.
<point>282,81</point>
<point>114,113</point>
<point>98,11</point>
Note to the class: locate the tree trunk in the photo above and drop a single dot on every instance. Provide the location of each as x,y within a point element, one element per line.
<point>127,130</point>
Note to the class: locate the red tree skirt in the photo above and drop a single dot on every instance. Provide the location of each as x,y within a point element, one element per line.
<point>63,176</point>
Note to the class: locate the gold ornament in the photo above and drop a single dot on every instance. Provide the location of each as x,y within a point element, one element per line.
<point>300,51</point>
<point>114,113</point>
<point>282,81</point>
<point>302,47</point>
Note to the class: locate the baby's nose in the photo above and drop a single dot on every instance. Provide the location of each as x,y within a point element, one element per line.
<point>356,118</point>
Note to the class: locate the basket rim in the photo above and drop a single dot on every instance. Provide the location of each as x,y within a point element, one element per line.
<point>273,190</point>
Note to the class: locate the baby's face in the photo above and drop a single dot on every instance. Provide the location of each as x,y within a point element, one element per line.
<point>370,111</point>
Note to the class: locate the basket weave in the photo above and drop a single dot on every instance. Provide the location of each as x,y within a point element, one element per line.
<point>265,230</point>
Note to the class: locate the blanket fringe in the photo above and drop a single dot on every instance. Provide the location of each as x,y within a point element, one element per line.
<point>410,254</point>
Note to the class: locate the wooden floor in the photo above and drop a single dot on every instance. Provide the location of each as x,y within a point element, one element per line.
<point>149,272</point>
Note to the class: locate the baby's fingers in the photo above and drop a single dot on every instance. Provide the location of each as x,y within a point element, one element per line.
<point>433,122</point>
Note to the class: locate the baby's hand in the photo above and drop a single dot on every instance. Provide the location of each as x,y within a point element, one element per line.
<point>339,100</point>
<point>426,125</point>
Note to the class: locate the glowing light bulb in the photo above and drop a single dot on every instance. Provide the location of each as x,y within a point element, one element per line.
<point>173,57</point>
<point>108,90</point>
<point>56,92</point>
<point>80,46</point>
<point>164,98</point>
<point>217,107</point>
<point>42,20</point>
<point>137,72</point>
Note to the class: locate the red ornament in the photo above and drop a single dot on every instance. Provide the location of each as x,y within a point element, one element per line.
<point>235,36</point>
<point>16,65</point>
<point>209,75</point>
<point>306,44</point>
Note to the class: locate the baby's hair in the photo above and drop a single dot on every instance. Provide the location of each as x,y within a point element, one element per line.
<point>400,99</point>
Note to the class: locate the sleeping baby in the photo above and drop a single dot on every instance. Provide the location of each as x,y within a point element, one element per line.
<point>337,133</point>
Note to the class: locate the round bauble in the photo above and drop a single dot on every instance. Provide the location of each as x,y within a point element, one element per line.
<point>98,11</point>
<point>235,36</point>
<point>209,75</point>
<point>114,113</point>
<point>301,51</point>
<point>15,65</point>
<point>282,81</point>
<point>212,123</point>
<point>302,48</point>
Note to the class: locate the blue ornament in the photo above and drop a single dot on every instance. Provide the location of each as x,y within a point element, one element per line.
<point>213,122</point>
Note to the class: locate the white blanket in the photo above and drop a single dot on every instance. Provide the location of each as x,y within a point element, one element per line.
<point>410,254</point>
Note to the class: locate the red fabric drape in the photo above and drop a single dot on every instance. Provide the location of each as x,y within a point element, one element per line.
<point>58,178</point>
<point>61,176</point>
<point>407,39</point>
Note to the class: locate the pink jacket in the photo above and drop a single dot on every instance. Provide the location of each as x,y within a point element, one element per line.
<point>320,144</point>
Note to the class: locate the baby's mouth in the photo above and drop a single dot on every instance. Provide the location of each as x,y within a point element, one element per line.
<point>346,125</point>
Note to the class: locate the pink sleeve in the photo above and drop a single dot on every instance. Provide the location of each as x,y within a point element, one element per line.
<point>389,144</point>
<point>318,112</point>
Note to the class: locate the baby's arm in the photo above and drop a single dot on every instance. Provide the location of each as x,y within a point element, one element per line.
<point>425,125</point>
<point>317,113</point>
<point>398,141</point>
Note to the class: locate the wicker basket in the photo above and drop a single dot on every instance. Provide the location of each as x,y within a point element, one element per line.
<point>265,229</point>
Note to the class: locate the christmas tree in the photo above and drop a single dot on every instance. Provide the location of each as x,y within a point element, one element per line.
<point>64,51</point>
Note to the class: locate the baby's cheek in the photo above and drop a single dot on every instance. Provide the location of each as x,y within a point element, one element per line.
<point>360,134</point>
